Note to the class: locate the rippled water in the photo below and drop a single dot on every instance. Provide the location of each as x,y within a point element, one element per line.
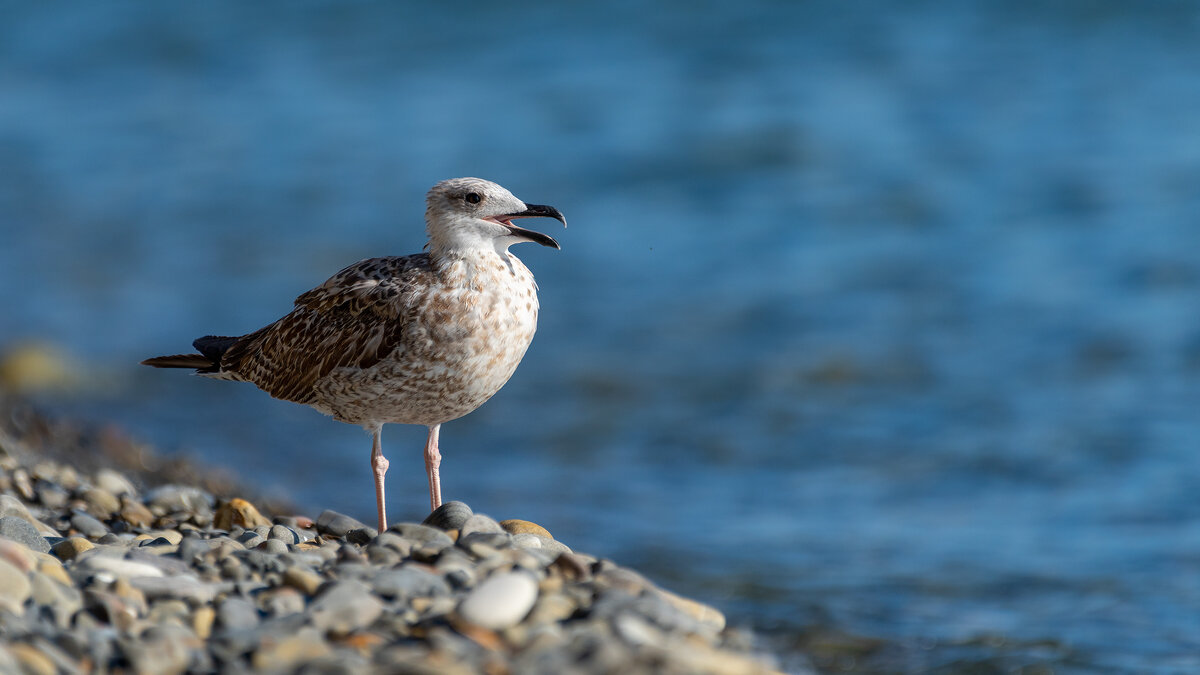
<point>878,322</point>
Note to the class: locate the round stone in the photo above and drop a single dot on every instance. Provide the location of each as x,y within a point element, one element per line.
<point>67,549</point>
<point>501,601</point>
<point>448,516</point>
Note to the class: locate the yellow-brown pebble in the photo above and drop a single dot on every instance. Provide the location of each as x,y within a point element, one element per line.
<point>68,548</point>
<point>202,621</point>
<point>515,526</point>
<point>238,512</point>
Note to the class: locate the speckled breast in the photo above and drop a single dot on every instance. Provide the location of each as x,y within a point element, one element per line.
<point>462,341</point>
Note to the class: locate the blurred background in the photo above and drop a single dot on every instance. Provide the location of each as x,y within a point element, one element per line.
<point>874,327</point>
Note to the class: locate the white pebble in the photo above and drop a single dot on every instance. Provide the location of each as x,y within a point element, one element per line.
<point>500,601</point>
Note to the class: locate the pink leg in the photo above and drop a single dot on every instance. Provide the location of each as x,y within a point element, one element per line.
<point>433,459</point>
<point>379,466</point>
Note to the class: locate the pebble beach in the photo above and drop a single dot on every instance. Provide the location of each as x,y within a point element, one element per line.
<point>113,560</point>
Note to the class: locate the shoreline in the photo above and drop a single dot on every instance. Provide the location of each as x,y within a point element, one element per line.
<point>114,558</point>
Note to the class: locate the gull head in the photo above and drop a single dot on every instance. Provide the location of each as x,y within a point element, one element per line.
<point>472,213</point>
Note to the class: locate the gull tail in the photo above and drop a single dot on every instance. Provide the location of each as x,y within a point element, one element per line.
<point>211,347</point>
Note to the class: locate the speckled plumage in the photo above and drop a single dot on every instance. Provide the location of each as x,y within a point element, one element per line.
<point>420,339</point>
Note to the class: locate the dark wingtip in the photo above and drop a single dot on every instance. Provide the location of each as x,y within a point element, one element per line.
<point>197,361</point>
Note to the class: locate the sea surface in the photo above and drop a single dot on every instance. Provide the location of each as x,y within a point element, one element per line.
<point>876,324</point>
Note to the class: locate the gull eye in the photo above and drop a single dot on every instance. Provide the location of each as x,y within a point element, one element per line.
<point>473,198</point>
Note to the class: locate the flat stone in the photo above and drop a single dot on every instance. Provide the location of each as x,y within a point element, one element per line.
<point>344,606</point>
<point>500,601</point>
<point>513,526</point>
<point>337,524</point>
<point>408,581</point>
<point>530,540</point>
<point>15,528</point>
<point>179,587</point>
<point>705,615</point>
<point>87,525</point>
<point>423,535</point>
<point>118,567</point>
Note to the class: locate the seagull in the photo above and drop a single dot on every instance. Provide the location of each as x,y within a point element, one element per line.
<point>418,339</point>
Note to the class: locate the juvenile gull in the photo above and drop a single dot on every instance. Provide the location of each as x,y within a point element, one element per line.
<point>420,339</point>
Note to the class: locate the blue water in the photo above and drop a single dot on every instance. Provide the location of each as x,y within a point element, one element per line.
<point>875,320</point>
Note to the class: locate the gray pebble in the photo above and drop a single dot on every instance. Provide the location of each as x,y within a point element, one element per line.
<point>249,539</point>
<point>87,525</point>
<point>344,606</point>
<point>273,547</point>
<point>285,534</point>
<point>235,613</point>
<point>492,540</point>
<point>480,523</point>
<point>448,516</point>
<point>18,529</point>
<point>337,524</point>
<point>422,535</point>
<point>408,581</point>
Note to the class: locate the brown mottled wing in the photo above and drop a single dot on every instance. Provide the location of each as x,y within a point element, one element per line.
<point>353,319</point>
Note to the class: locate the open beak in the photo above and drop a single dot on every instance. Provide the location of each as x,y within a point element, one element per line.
<point>533,211</point>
